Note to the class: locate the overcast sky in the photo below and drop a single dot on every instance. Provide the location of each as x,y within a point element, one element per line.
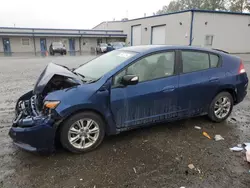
<point>79,14</point>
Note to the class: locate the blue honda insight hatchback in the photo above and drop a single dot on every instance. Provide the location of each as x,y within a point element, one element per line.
<point>125,89</point>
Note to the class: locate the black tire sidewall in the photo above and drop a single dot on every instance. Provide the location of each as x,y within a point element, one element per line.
<point>211,114</point>
<point>66,125</point>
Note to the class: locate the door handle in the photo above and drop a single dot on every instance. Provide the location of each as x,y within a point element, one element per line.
<point>168,88</point>
<point>214,79</point>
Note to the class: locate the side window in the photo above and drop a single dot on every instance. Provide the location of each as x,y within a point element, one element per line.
<point>214,60</point>
<point>118,77</point>
<point>194,61</point>
<point>153,67</point>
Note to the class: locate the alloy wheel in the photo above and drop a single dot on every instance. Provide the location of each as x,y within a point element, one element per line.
<point>83,133</point>
<point>222,107</point>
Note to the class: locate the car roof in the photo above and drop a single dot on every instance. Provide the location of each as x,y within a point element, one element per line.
<point>155,48</point>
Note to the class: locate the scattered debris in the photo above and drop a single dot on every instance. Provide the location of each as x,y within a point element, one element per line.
<point>236,149</point>
<point>248,153</point>
<point>247,144</point>
<point>134,170</point>
<point>218,137</point>
<point>248,156</point>
<point>206,135</point>
<point>240,145</point>
<point>233,119</point>
<point>182,187</point>
<point>191,166</point>
<point>81,179</point>
<point>197,127</point>
<point>94,186</point>
<point>198,170</point>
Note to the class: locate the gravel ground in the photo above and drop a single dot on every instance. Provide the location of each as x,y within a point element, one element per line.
<point>152,157</point>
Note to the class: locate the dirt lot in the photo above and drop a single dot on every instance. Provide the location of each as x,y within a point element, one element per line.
<point>152,157</point>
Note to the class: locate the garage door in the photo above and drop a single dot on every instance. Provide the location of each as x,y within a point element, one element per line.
<point>159,35</point>
<point>136,35</point>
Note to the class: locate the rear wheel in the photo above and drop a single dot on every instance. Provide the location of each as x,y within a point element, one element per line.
<point>221,107</point>
<point>82,132</point>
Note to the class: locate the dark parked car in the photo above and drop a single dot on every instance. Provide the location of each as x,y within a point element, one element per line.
<point>115,46</point>
<point>57,47</point>
<point>125,89</point>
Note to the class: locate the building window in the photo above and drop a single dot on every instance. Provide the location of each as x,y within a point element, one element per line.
<point>209,40</point>
<point>25,41</point>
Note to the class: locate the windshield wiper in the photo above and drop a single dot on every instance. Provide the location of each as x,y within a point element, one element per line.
<point>78,74</point>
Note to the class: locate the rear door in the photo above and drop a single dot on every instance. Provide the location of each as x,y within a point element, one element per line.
<point>153,99</point>
<point>198,82</point>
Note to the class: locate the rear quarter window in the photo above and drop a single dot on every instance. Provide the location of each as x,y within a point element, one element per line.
<point>214,60</point>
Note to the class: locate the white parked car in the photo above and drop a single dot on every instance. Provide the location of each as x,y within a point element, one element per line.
<point>101,48</point>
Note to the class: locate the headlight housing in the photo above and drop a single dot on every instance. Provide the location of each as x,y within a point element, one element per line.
<point>51,104</point>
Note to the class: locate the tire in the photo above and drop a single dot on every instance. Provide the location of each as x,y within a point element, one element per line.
<point>70,124</point>
<point>211,112</point>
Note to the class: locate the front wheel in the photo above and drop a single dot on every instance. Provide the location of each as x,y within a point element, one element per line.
<point>82,132</point>
<point>221,107</point>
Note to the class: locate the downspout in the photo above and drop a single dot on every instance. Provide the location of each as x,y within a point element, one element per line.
<point>34,41</point>
<point>80,44</point>
<point>191,28</point>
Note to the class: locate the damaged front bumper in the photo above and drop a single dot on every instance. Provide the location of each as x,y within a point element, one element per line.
<point>37,138</point>
<point>31,130</point>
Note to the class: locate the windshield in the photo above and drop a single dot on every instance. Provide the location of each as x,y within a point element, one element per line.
<point>57,44</point>
<point>101,65</point>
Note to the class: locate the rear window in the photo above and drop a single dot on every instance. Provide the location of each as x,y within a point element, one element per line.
<point>214,60</point>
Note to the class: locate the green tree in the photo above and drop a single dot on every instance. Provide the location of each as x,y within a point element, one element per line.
<point>214,4</point>
<point>178,5</point>
<point>239,5</point>
<point>173,6</point>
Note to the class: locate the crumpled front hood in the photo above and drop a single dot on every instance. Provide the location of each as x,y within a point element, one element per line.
<point>51,70</point>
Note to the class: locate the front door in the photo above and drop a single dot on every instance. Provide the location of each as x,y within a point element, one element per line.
<point>6,47</point>
<point>43,46</point>
<point>72,46</point>
<point>153,99</point>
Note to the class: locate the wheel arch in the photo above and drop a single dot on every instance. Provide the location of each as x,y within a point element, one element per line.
<point>108,129</point>
<point>229,89</point>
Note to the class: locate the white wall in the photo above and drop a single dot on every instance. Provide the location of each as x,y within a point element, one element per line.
<point>176,34</point>
<point>16,44</point>
<point>89,43</point>
<point>231,32</point>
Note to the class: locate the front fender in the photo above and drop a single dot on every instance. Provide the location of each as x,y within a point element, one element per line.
<point>98,102</point>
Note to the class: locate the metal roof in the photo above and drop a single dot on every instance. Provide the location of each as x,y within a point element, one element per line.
<point>183,11</point>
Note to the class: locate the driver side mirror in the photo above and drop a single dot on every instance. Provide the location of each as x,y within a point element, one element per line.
<point>129,80</point>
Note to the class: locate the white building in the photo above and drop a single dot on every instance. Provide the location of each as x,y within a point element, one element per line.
<point>37,40</point>
<point>227,31</point>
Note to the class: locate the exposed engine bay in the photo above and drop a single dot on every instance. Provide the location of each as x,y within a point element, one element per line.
<point>58,82</point>
<point>31,105</point>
